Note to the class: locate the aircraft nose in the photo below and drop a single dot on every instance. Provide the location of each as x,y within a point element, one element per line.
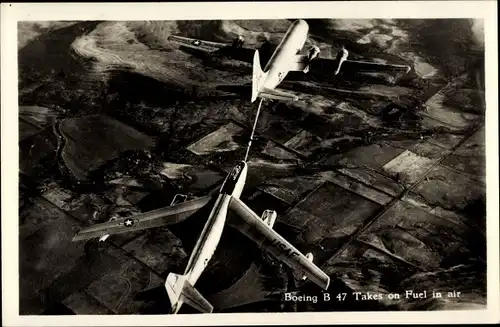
<point>301,23</point>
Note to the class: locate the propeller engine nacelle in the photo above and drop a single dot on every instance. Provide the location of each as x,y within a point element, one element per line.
<point>269,217</point>
<point>313,52</point>
<point>340,58</point>
<point>238,42</point>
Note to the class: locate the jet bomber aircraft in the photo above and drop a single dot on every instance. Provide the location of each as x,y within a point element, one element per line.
<point>180,288</point>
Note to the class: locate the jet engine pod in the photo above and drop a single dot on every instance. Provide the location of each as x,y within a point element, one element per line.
<point>103,238</point>
<point>179,198</point>
<point>309,257</point>
<point>269,217</point>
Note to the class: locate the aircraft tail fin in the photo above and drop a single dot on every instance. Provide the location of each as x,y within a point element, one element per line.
<point>257,76</point>
<point>180,291</point>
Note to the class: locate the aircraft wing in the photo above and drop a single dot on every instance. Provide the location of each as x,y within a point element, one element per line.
<point>367,66</point>
<point>329,66</point>
<point>214,48</point>
<point>299,63</point>
<point>202,45</point>
<point>156,218</point>
<point>251,225</point>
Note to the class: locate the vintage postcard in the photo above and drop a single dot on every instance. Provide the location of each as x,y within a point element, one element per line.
<point>225,163</point>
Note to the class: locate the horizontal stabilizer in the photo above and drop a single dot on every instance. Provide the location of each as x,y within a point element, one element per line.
<point>180,291</point>
<point>244,91</point>
<point>277,95</point>
<point>191,296</point>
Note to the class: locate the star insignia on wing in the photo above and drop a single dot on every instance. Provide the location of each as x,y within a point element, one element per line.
<point>196,42</point>
<point>128,222</point>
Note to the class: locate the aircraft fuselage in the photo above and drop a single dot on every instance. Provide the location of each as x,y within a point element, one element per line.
<point>278,65</point>
<point>211,234</point>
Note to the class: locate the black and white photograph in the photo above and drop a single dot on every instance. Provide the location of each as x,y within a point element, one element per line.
<point>208,166</point>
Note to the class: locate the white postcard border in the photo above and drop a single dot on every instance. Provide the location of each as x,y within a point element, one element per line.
<point>12,13</point>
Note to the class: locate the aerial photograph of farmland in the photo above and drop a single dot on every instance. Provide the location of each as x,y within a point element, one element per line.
<point>365,172</point>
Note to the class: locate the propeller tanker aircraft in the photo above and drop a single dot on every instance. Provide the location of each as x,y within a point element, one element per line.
<point>180,288</point>
<point>285,59</point>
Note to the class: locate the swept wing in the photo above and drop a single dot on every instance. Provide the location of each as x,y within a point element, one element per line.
<point>251,225</point>
<point>156,218</point>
